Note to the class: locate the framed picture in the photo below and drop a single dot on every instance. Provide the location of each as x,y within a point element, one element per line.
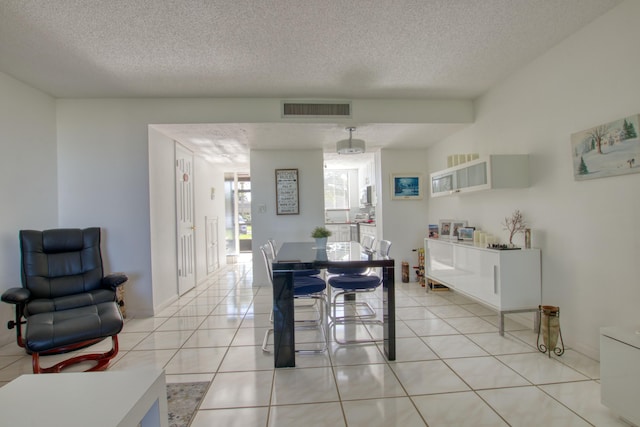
<point>433,231</point>
<point>406,186</point>
<point>466,233</point>
<point>456,225</point>
<point>287,192</point>
<point>445,228</point>
<point>607,150</point>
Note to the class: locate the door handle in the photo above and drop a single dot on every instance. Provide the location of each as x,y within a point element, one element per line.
<point>495,279</point>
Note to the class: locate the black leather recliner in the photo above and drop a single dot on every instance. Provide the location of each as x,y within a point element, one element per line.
<point>65,301</point>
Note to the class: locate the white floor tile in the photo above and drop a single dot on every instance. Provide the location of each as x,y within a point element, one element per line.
<point>236,417</point>
<point>428,377</point>
<point>584,398</point>
<point>304,385</point>
<point>238,389</point>
<point>530,406</point>
<point>395,411</point>
<point>307,415</point>
<point>367,382</point>
<point>539,369</point>
<point>464,409</point>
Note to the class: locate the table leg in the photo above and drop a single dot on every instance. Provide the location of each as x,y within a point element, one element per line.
<point>284,352</point>
<point>389,312</point>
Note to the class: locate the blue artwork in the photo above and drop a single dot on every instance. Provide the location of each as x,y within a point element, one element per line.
<point>406,187</point>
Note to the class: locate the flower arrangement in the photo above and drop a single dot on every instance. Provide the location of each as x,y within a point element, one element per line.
<point>515,224</point>
<point>320,232</point>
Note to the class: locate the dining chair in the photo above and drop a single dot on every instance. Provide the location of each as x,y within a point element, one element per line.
<point>384,246</point>
<point>305,287</point>
<point>352,285</point>
<point>367,242</point>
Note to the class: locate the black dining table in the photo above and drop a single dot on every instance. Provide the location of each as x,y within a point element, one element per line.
<point>294,256</point>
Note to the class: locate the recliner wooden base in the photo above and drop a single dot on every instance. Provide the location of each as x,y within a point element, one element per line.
<point>102,359</point>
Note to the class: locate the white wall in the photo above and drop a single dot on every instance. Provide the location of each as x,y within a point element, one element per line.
<point>28,168</point>
<point>403,222</point>
<point>283,228</point>
<point>587,230</point>
<point>104,162</point>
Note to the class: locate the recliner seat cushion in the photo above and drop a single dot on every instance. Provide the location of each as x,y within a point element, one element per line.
<point>68,302</point>
<point>46,331</point>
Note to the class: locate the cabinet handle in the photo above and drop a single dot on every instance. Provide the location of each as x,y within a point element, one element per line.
<point>495,279</point>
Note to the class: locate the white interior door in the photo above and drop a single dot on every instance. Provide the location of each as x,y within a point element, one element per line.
<point>185,220</point>
<point>212,244</point>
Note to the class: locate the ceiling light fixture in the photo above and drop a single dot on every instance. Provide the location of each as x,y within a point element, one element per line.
<point>350,146</point>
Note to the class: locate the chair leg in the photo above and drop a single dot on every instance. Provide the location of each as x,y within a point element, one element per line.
<point>102,360</point>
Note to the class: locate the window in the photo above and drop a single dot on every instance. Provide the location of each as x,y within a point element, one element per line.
<point>336,189</point>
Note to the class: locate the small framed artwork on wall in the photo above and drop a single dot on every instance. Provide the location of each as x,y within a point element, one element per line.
<point>406,186</point>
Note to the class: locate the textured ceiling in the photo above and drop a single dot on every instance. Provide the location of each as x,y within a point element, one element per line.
<point>340,49</point>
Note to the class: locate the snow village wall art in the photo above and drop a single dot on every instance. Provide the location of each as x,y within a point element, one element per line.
<point>606,150</point>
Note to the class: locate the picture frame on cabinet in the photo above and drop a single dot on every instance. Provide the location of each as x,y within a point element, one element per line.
<point>456,225</point>
<point>406,186</point>
<point>466,233</point>
<point>434,231</point>
<point>445,228</point>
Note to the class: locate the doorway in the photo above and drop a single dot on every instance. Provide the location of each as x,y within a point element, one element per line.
<point>238,227</point>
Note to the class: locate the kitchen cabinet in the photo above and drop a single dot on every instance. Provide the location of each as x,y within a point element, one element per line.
<point>491,172</point>
<point>339,232</point>
<point>620,371</point>
<point>367,229</point>
<point>508,281</point>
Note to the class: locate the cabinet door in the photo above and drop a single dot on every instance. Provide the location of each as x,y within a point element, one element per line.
<point>442,184</point>
<point>439,262</point>
<point>477,274</point>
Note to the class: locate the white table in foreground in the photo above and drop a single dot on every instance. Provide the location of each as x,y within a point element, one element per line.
<point>96,399</point>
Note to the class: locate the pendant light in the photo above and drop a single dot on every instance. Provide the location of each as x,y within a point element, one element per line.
<point>350,146</point>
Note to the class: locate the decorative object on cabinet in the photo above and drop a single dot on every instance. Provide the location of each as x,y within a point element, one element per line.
<point>466,233</point>
<point>606,150</point>
<point>527,238</point>
<point>514,224</point>
<point>406,186</point>
<point>550,328</point>
<point>456,225</point>
<point>491,172</point>
<point>508,281</point>
<point>433,231</point>
<point>287,192</point>
<point>445,228</point>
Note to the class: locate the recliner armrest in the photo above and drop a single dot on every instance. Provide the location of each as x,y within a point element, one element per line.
<point>16,295</point>
<point>114,280</point>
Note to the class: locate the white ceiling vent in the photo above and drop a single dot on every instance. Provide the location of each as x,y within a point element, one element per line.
<point>316,109</point>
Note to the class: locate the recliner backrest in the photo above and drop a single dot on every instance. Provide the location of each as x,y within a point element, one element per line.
<point>61,262</point>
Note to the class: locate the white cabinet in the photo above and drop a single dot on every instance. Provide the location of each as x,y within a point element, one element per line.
<point>367,230</point>
<point>620,371</point>
<point>506,280</point>
<point>339,232</point>
<point>496,171</point>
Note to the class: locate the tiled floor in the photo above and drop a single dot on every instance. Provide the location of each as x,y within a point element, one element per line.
<point>452,367</point>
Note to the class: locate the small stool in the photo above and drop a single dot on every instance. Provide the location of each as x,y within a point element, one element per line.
<point>67,330</point>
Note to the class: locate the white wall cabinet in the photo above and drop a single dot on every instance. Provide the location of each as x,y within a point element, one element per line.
<point>339,232</point>
<point>620,371</point>
<point>507,280</point>
<point>495,171</point>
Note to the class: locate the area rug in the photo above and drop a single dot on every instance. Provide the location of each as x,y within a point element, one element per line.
<point>183,400</point>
